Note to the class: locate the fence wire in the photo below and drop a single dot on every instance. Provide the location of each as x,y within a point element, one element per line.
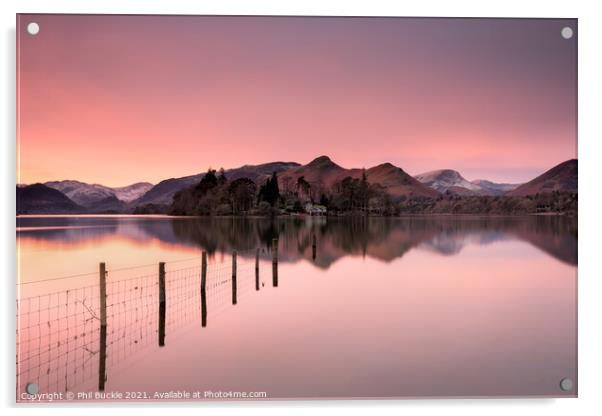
<point>59,336</point>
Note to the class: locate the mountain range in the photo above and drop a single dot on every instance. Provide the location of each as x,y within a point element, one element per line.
<point>72,196</point>
<point>448,181</point>
<point>325,172</point>
<point>163,192</point>
<point>88,195</point>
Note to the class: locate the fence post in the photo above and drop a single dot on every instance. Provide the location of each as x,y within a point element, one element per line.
<point>103,327</point>
<point>313,247</point>
<point>275,262</point>
<point>203,291</point>
<point>257,269</point>
<point>234,277</point>
<point>162,304</point>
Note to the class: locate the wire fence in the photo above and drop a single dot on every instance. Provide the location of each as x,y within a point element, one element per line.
<point>71,339</point>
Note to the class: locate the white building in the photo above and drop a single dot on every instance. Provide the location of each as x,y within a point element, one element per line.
<point>314,209</point>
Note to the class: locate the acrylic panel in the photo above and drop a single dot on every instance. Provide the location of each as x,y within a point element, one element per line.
<point>260,207</point>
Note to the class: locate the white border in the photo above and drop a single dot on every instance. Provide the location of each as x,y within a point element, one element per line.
<point>590,276</point>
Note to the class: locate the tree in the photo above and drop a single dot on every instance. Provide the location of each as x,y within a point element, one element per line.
<point>353,194</point>
<point>208,182</point>
<point>303,187</point>
<point>363,192</point>
<point>241,194</point>
<point>380,201</point>
<point>275,190</point>
<point>221,177</point>
<point>317,188</point>
<point>349,193</point>
<point>270,192</point>
<point>286,185</point>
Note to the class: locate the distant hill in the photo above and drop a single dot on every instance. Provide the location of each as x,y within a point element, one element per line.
<point>495,189</point>
<point>324,172</point>
<point>163,192</point>
<point>397,182</point>
<point>256,172</point>
<point>320,170</point>
<point>109,205</point>
<point>41,199</point>
<point>132,192</point>
<point>449,181</point>
<point>81,193</point>
<point>321,175</point>
<point>89,195</point>
<point>562,177</point>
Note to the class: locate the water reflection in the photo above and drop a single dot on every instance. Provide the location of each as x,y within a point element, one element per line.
<point>319,240</point>
<point>471,295</point>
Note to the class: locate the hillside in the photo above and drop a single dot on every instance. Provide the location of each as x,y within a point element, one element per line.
<point>449,181</point>
<point>109,205</point>
<point>89,195</point>
<point>41,199</point>
<point>493,188</point>
<point>81,193</point>
<point>562,178</point>
<point>322,172</point>
<point>163,192</point>
<point>384,189</point>
<point>131,192</point>
<point>398,183</point>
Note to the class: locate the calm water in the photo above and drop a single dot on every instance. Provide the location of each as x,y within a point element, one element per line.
<point>436,306</point>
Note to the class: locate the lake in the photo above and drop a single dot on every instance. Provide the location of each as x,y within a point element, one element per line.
<point>360,307</point>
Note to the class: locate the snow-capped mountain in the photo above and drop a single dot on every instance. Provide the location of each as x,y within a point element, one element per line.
<point>81,193</point>
<point>132,192</point>
<point>450,181</point>
<point>495,188</point>
<point>88,195</point>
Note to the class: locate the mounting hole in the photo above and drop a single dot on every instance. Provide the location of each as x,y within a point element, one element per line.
<point>31,388</point>
<point>566,32</point>
<point>566,384</point>
<point>33,28</point>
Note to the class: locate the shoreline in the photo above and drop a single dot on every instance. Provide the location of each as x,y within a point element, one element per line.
<point>409,215</point>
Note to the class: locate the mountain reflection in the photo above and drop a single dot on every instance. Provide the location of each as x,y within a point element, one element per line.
<point>382,238</point>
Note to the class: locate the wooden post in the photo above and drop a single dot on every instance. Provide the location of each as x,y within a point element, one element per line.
<point>313,247</point>
<point>275,262</point>
<point>234,277</point>
<point>103,327</point>
<point>257,269</point>
<point>203,292</point>
<point>162,304</point>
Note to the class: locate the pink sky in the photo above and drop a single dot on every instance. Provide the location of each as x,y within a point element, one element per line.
<point>122,99</point>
